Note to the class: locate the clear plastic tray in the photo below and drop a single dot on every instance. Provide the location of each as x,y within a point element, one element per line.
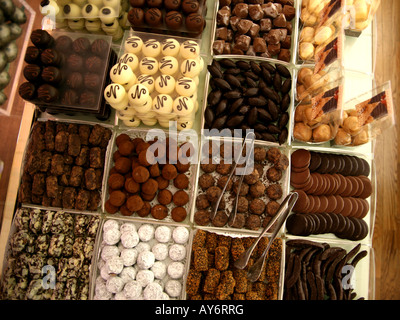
<point>151,119</point>
<point>242,234</point>
<point>99,262</point>
<point>14,68</point>
<point>67,121</point>
<point>362,278</point>
<point>182,31</point>
<point>97,90</point>
<point>161,135</point>
<point>370,217</point>
<point>258,60</point>
<point>230,196</point>
<point>293,48</point>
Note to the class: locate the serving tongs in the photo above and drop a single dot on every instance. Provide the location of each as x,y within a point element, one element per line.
<point>254,271</point>
<point>249,136</point>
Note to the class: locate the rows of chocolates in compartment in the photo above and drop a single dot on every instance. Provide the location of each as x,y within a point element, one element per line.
<point>140,183</point>
<point>63,70</point>
<point>175,15</point>
<point>213,276</point>
<point>249,95</point>
<point>259,195</point>
<point>58,239</point>
<point>64,165</point>
<point>256,29</point>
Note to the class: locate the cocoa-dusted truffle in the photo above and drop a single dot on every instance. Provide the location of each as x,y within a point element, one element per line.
<point>169,172</point>
<point>146,158</point>
<point>260,154</point>
<point>178,214</point>
<point>274,174</point>
<point>272,208</point>
<point>202,217</point>
<point>145,211</point>
<point>110,208</point>
<point>274,191</point>
<point>243,205</point>
<point>202,202</point>
<point>208,167</point>
<point>116,181</point>
<point>131,185</point>
<point>253,222</point>
<point>182,167</point>
<point>126,147</point>
<point>123,165</point>
<point>125,211</point>
<point>117,198</point>
<point>222,181</point>
<point>121,138</point>
<point>140,174</point>
<point>164,197</point>
<point>134,203</point>
<point>206,181</point>
<point>149,187</point>
<point>213,193</point>
<point>257,190</point>
<point>154,170</point>
<point>162,183</point>
<point>220,219</point>
<point>244,188</point>
<point>159,212</point>
<point>180,198</point>
<point>181,181</point>
<point>257,206</point>
<point>252,178</point>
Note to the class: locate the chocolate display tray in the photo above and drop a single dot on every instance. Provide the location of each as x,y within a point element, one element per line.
<point>192,174</point>
<point>294,36</point>
<point>258,60</point>
<point>15,67</point>
<point>164,29</point>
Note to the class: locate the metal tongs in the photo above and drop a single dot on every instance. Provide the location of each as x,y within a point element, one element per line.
<point>249,136</point>
<point>283,212</point>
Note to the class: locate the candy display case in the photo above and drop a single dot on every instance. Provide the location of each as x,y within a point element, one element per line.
<point>13,70</point>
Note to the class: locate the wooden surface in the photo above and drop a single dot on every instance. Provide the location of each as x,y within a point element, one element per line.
<point>386,241</point>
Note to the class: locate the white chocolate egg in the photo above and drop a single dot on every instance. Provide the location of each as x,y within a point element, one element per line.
<point>148,65</point>
<point>90,11</point>
<point>72,11</point>
<point>151,48</point>
<point>107,14</point>
<point>165,84</point>
<point>189,49</point>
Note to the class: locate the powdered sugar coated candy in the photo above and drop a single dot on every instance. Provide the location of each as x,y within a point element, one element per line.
<point>177,252</point>
<point>110,224</point>
<point>115,284</point>
<point>160,251</point>
<point>152,292</point>
<point>129,239</point>
<point>128,274</point>
<point>109,251</point>
<point>133,289</point>
<point>180,235</point>
<point>127,226</point>
<point>159,269</point>
<point>163,234</point>
<point>176,270</point>
<point>145,277</point>
<point>112,236</point>
<point>173,288</point>
<point>115,265</point>
<point>145,260</point>
<point>129,256</point>
<point>146,232</point>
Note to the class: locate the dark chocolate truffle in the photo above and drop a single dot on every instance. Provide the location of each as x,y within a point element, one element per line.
<point>42,39</point>
<point>194,22</point>
<point>69,97</point>
<point>92,81</point>
<point>32,72</point>
<point>137,3</point>
<point>87,99</point>
<point>172,4</point>
<point>51,57</point>
<point>47,93</point>
<point>136,17</point>
<point>63,44</point>
<point>174,20</point>
<point>153,17</point>
<point>100,47</point>
<point>32,54</point>
<point>75,80</point>
<point>190,6</point>
<point>52,75</point>
<point>75,62</point>
<point>27,90</point>
<point>81,45</point>
<point>94,64</point>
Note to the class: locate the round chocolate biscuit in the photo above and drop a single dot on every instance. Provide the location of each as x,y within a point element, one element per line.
<point>365,208</point>
<point>355,165</point>
<point>316,181</point>
<point>321,224</point>
<point>300,178</point>
<point>355,207</point>
<point>323,203</point>
<point>367,188</point>
<point>355,186</point>
<point>301,158</point>
<point>315,161</point>
<point>332,164</point>
<point>364,230</point>
<point>348,207</point>
<point>311,205</point>
<point>339,204</point>
<point>348,166</point>
<point>347,231</point>
<point>325,164</point>
<point>316,204</point>
<point>366,168</point>
<point>336,177</point>
<point>349,188</point>
<point>302,202</point>
<point>335,222</point>
<point>297,224</point>
<point>342,184</point>
<point>332,203</point>
<point>342,223</point>
<point>298,170</point>
<point>329,222</point>
<point>339,163</point>
<point>358,229</point>
<point>360,187</point>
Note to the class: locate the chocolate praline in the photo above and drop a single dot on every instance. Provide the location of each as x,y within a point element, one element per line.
<point>137,3</point>
<point>92,81</point>
<point>69,97</point>
<point>153,17</point>
<point>172,4</point>
<point>174,20</point>
<point>27,90</point>
<point>42,39</point>
<point>52,75</point>
<point>63,43</point>
<point>32,72</point>
<point>81,45</point>
<point>190,6</point>
<point>47,93</point>
<point>100,47</point>
<point>94,64</point>
<point>32,54</point>
<point>136,17</point>
<point>194,22</point>
<point>154,3</point>
<point>87,99</point>
<point>74,80</point>
<point>75,62</point>
<point>51,57</point>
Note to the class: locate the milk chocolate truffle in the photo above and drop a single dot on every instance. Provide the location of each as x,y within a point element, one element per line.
<point>162,183</point>
<point>126,147</point>
<point>174,20</point>
<point>75,62</point>
<point>194,22</point>
<point>63,44</point>
<point>134,203</point>
<point>94,64</point>
<point>145,211</point>
<point>169,172</point>
<point>137,3</point>
<point>69,97</point>
<point>74,80</point>
<point>116,181</point>
<point>164,196</point>
<point>117,198</point>
<point>110,208</point>
<point>52,75</point>
<point>172,4</point>
<point>154,3</point>
<point>47,93</point>
<point>159,212</point>
<point>27,90</point>
<point>190,6</point>
<point>136,17</point>
<point>181,181</point>
<point>51,57</point>
<point>149,187</point>
<point>131,185</point>
<point>123,165</point>
<point>100,47</point>
<point>87,99</point>
<point>178,214</point>
<point>153,17</point>
<point>140,174</point>
<point>92,81</point>
<point>180,198</point>
<point>81,45</point>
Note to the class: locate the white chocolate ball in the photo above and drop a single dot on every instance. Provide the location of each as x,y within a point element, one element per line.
<point>168,65</point>
<point>121,73</point>
<point>190,68</point>
<point>90,11</point>
<point>93,25</point>
<point>148,65</point>
<point>183,124</point>
<point>77,24</point>
<point>115,94</point>
<point>130,59</point>
<point>183,106</point>
<point>189,49</point>
<point>132,123</point>
<point>170,47</point>
<point>185,86</point>
<point>72,11</point>
<point>144,108</point>
<point>133,44</point>
<point>146,80</point>
<point>151,48</point>
<point>165,84</point>
<point>138,94</point>
<point>163,104</point>
<point>107,14</point>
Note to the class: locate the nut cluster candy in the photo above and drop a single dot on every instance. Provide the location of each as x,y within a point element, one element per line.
<point>213,276</point>
<point>317,271</point>
<point>60,243</point>
<point>255,29</point>
<point>249,95</point>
